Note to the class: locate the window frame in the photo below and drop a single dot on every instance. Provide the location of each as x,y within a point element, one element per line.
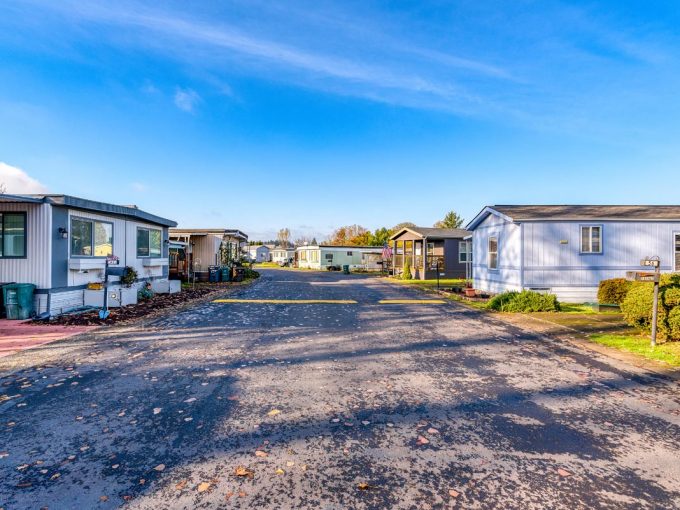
<point>676,240</point>
<point>2,234</point>
<point>467,252</point>
<point>149,256</point>
<point>489,252</point>
<point>590,226</point>
<point>91,221</point>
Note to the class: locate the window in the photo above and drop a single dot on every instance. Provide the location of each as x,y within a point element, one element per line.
<point>148,242</point>
<point>329,257</point>
<point>677,252</point>
<point>12,235</point>
<point>349,253</point>
<point>591,239</point>
<point>90,238</point>
<point>493,253</point>
<point>464,251</point>
<point>303,255</point>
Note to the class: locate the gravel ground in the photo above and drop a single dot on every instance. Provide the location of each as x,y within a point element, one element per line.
<point>330,406</point>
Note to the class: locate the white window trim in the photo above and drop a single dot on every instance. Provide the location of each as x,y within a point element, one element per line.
<point>489,252</point>
<point>590,239</point>
<point>468,251</point>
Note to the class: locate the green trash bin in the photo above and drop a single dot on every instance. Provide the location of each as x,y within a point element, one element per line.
<point>345,269</point>
<point>226,274</point>
<point>18,300</point>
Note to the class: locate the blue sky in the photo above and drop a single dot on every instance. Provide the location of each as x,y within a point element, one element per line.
<point>315,114</point>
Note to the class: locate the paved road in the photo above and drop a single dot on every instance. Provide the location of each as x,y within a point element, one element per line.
<point>360,405</point>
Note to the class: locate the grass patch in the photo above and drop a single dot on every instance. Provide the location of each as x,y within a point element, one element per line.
<point>668,352</point>
<point>584,308</point>
<point>267,264</point>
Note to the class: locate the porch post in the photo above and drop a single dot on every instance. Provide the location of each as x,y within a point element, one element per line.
<point>424,258</point>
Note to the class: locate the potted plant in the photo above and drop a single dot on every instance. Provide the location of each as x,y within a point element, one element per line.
<point>129,277</point>
<point>469,291</point>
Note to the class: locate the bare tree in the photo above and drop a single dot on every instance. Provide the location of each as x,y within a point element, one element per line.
<point>283,237</point>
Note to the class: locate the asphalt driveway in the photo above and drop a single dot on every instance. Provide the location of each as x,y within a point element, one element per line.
<point>318,390</point>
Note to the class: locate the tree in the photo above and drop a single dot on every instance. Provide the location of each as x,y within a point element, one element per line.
<point>451,220</point>
<point>304,240</point>
<point>402,225</point>
<point>283,237</point>
<point>380,236</point>
<point>353,235</point>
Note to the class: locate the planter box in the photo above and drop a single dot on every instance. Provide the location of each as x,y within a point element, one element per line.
<point>118,296</point>
<point>155,262</point>
<point>86,264</point>
<point>166,286</point>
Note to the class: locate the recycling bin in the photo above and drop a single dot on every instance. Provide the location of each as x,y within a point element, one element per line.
<point>213,274</point>
<point>18,300</point>
<point>226,274</point>
<point>345,269</point>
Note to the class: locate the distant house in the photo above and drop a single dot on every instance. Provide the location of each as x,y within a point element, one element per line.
<point>322,256</point>
<point>259,253</point>
<point>282,256</point>
<point>60,244</point>
<point>210,247</point>
<point>568,249</point>
<point>428,250</point>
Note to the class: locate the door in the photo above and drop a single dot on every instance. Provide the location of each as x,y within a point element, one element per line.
<point>677,252</point>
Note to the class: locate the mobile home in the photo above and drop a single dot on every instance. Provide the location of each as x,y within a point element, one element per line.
<point>210,247</point>
<point>323,256</point>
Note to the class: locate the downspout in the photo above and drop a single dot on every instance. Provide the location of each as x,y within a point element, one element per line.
<point>521,256</point>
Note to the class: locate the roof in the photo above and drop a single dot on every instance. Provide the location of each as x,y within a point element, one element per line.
<point>90,205</point>
<point>433,233</point>
<point>520,213</point>
<point>207,231</point>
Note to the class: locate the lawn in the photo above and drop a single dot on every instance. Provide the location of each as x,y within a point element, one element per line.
<point>668,352</point>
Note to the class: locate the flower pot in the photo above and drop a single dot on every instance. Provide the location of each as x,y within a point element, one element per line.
<point>470,292</point>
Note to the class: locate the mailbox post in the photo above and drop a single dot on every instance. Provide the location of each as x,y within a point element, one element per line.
<point>647,276</point>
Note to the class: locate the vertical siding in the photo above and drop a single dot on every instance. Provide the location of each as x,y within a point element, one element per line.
<point>36,267</point>
<point>508,275</point>
<point>131,258</point>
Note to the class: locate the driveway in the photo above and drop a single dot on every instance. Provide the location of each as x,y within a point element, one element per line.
<point>318,390</point>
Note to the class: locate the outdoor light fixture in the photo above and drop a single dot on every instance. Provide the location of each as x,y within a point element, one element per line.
<point>63,232</point>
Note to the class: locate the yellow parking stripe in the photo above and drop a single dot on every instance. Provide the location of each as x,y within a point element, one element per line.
<point>411,302</point>
<point>290,301</point>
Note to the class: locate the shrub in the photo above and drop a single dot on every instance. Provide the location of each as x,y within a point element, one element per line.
<point>406,275</point>
<point>145,293</point>
<point>614,291</point>
<point>525,301</point>
<point>129,277</point>
<point>251,273</point>
<point>637,308</point>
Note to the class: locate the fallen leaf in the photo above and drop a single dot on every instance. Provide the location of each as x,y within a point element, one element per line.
<point>454,493</point>
<point>181,485</point>
<point>273,412</point>
<point>3,455</point>
<point>228,495</point>
<point>244,472</point>
<point>204,486</point>
<point>55,476</point>
<point>432,430</point>
<point>157,410</point>
<point>260,453</point>
<point>103,498</point>
<point>280,472</point>
<point>563,472</point>
<point>363,486</point>
<point>290,463</point>
<point>190,400</point>
<point>160,467</point>
<point>422,440</point>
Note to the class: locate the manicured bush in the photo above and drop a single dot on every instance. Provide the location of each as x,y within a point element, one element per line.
<point>406,275</point>
<point>525,301</point>
<point>638,305</point>
<point>613,292</point>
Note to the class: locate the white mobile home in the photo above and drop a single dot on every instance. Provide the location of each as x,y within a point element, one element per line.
<point>60,243</point>
<point>568,249</point>
<point>283,256</point>
<point>259,253</point>
<point>322,256</point>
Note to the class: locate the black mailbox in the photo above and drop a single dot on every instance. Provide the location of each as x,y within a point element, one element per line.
<point>116,271</point>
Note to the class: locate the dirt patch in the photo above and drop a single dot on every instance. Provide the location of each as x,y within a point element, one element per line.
<point>159,303</point>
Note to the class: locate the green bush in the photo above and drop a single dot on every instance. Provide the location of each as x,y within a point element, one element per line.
<point>406,275</point>
<point>525,301</point>
<point>637,307</point>
<point>614,291</point>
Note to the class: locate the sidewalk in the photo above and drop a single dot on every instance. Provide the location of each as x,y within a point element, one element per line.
<point>17,336</point>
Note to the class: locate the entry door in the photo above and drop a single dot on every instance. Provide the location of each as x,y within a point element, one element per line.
<point>677,252</point>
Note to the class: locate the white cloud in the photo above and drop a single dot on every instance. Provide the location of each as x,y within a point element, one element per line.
<point>186,99</point>
<point>139,187</point>
<point>15,180</point>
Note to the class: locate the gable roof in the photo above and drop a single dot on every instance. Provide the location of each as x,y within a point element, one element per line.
<point>91,205</point>
<point>520,213</point>
<point>433,233</point>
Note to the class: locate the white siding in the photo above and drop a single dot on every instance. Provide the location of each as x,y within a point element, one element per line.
<point>131,258</point>
<point>508,275</point>
<point>36,268</point>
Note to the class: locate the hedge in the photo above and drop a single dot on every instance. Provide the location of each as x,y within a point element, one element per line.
<point>525,301</point>
<point>614,291</point>
<point>637,306</point>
